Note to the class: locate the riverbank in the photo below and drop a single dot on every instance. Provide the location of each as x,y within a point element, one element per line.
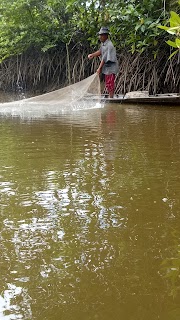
<point>34,72</point>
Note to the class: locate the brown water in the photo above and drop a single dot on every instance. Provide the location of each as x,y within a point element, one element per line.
<point>90,214</point>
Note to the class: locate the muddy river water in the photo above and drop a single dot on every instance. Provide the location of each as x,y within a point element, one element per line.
<point>90,214</point>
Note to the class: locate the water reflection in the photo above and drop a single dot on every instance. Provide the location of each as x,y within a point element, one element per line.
<point>11,309</point>
<point>90,215</point>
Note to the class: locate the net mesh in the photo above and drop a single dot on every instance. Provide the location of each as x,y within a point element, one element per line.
<point>86,88</point>
<point>78,96</point>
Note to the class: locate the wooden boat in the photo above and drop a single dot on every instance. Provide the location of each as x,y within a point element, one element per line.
<point>140,97</point>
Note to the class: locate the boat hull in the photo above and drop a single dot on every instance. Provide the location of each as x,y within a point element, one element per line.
<point>160,99</point>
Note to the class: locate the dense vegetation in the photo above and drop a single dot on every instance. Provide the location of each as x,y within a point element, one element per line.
<point>46,42</point>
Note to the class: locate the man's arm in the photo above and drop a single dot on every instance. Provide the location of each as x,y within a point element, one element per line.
<point>94,54</point>
<point>97,54</point>
<point>100,67</point>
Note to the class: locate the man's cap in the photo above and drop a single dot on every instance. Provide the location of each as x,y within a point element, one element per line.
<point>103,30</point>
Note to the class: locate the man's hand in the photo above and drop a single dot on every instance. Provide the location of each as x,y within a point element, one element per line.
<point>98,71</point>
<point>90,56</point>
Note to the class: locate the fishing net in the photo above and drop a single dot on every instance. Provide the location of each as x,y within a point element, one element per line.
<point>84,94</point>
<point>84,89</point>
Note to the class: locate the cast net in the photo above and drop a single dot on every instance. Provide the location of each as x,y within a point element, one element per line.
<point>84,94</point>
<point>85,89</point>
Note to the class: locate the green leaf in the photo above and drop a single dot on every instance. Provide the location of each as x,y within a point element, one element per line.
<point>172,54</point>
<point>155,42</point>
<point>137,27</point>
<point>173,30</point>
<point>143,28</point>
<point>174,19</point>
<point>163,27</point>
<point>171,43</point>
<point>133,48</point>
<point>47,47</point>
<point>177,42</point>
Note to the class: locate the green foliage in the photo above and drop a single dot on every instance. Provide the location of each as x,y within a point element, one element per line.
<point>26,24</point>
<point>174,30</point>
<point>46,24</point>
<point>134,23</point>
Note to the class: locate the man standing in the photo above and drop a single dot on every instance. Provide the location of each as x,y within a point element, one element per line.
<point>109,63</point>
